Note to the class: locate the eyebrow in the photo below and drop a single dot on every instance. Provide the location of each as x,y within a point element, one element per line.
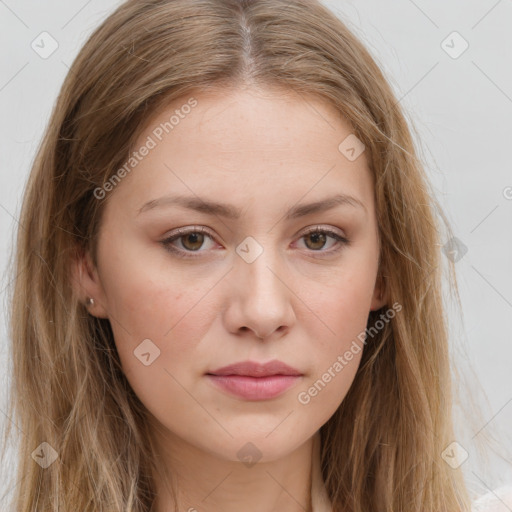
<point>231,212</point>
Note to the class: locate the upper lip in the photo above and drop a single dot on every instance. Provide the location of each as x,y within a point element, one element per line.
<point>255,369</point>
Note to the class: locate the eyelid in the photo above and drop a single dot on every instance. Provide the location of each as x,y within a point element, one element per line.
<point>189,229</point>
<point>319,227</point>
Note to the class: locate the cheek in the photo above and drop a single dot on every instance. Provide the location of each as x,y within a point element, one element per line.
<point>335,358</point>
<point>341,312</point>
<point>320,396</point>
<point>170,309</point>
<point>341,304</point>
<point>175,322</point>
<point>145,293</point>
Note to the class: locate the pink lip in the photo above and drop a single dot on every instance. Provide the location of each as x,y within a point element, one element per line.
<point>255,381</point>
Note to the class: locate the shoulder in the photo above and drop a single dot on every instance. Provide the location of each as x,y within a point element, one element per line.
<point>497,500</point>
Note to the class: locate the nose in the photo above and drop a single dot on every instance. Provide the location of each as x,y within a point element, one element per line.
<point>260,298</point>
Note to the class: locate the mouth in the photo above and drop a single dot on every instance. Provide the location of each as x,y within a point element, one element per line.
<point>254,388</point>
<point>255,369</point>
<point>255,381</point>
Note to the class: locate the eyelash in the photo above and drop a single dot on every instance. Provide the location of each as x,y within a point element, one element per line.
<point>190,254</point>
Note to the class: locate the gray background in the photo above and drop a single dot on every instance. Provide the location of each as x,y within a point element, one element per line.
<point>461,108</point>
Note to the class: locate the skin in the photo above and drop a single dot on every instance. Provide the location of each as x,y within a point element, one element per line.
<point>299,301</point>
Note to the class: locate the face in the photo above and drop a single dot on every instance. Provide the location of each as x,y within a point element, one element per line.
<point>240,268</point>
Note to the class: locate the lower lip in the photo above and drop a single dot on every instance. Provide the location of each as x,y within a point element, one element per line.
<point>255,388</point>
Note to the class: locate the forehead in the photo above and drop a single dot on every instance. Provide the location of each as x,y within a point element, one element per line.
<point>251,144</point>
<point>241,120</point>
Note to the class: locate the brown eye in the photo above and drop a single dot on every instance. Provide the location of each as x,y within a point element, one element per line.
<point>318,240</point>
<point>192,241</point>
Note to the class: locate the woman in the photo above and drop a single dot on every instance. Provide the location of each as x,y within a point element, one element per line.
<point>229,277</point>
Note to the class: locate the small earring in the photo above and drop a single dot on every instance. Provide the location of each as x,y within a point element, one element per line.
<point>89,301</point>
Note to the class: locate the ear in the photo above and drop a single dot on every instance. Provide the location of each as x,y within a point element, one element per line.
<point>379,298</point>
<point>87,284</point>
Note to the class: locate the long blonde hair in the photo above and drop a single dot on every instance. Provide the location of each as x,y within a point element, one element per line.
<point>381,450</point>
